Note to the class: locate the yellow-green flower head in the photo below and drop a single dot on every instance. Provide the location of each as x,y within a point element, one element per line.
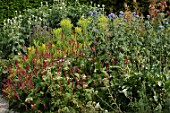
<point>29,49</point>
<point>65,23</point>
<point>103,19</point>
<point>43,46</point>
<point>57,32</point>
<point>78,30</point>
<point>82,22</point>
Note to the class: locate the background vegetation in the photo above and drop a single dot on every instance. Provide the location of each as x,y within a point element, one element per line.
<point>8,8</point>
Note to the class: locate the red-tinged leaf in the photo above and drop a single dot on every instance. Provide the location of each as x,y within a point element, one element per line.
<point>17,96</point>
<point>26,107</point>
<point>127,61</point>
<point>68,81</point>
<point>45,107</point>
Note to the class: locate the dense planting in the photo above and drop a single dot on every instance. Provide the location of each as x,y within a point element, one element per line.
<point>90,63</point>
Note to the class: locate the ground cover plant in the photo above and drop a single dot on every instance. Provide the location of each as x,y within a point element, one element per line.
<point>98,63</point>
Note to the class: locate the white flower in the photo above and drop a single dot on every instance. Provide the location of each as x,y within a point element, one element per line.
<point>61,8</point>
<point>28,99</point>
<point>40,18</point>
<point>84,76</point>
<point>97,106</point>
<point>8,20</point>
<point>103,5</point>
<point>159,83</point>
<point>58,77</point>
<point>41,4</point>
<point>4,21</point>
<point>47,4</point>
<point>98,5</point>
<point>20,16</point>
<point>155,98</point>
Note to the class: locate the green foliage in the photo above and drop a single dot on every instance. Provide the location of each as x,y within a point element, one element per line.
<point>3,71</point>
<point>119,5</point>
<point>24,29</point>
<point>12,8</point>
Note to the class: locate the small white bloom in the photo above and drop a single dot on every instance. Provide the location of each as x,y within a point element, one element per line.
<point>47,4</point>
<point>155,98</point>
<point>14,21</point>
<point>58,77</point>
<point>159,83</point>
<point>4,21</point>
<point>103,5</point>
<point>40,18</point>
<point>98,5</point>
<point>97,106</point>
<point>8,20</point>
<point>20,16</point>
<point>41,4</point>
<point>28,99</point>
<point>61,8</point>
<point>84,76</point>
